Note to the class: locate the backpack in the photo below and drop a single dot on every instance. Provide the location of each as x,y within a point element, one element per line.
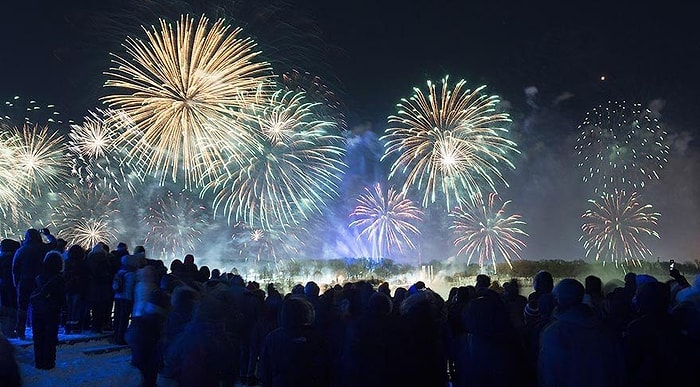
<point>118,282</point>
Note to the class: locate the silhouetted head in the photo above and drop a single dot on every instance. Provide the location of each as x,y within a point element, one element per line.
<point>32,235</point>
<point>379,304</point>
<point>311,289</point>
<point>139,249</point>
<point>204,273</point>
<point>215,274</point>
<point>189,259</point>
<point>296,312</point>
<point>568,292</point>
<point>176,265</point>
<point>53,263</point>
<point>543,282</point>
<point>594,286</point>
<point>76,252</point>
<point>9,245</point>
<point>483,281</point>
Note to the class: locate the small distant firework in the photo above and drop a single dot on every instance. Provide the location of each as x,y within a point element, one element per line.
<point>38,158</point>
<point>448,143</point>
<point>85,216</point>
<point>488,231</point>
<point>183,88</point>
<point>621,146</point>
<point>387,219</point>
<point>290,170</point>
<point>615,227</point>
<point>175,225</point>
<point>96,159</point>
<point>259,246</point>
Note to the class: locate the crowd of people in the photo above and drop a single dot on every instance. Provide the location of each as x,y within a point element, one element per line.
<point>192,326</point>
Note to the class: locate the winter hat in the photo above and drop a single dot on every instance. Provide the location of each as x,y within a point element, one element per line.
<point>139,249</point>
<point>568,292</point>
<point>9,245</point>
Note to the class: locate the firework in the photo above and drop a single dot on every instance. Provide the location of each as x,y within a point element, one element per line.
<point>449,142</point>
<point>387,219</point>
<point>18,111</point>
<point>85,216</point>
<point>621,146</point>
<point>96,160</point>
<point>615,227</point>
<point>183,89</point>
<point>263,246</point>
<point>175,225</point>
<point>37,156</point>
<point>292,169</point>
<point>488,231</point>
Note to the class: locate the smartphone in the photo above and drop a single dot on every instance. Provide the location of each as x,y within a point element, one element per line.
<point>671,265</point>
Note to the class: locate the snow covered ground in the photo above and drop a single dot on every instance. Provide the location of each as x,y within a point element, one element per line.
<point>82,360</point>
<point>76,368</point>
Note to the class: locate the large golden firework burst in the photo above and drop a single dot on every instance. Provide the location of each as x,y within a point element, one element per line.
<point>448,143</point>
<point>183,88</point>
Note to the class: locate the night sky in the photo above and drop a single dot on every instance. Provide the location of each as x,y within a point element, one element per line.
<point>374,52</point>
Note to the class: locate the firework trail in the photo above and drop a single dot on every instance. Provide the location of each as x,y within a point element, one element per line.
<point>291,170</point>
<point>387,219</point>
<point>85,216</point>
<point>183,88</point>
<point>175,225</point>
<point>449,142</point>
<point>615,227</point>
<point>488,231</point>
<point>18,111</point>
<point>621,146</point>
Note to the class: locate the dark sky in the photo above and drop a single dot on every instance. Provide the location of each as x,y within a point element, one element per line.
<point>378,50</point>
